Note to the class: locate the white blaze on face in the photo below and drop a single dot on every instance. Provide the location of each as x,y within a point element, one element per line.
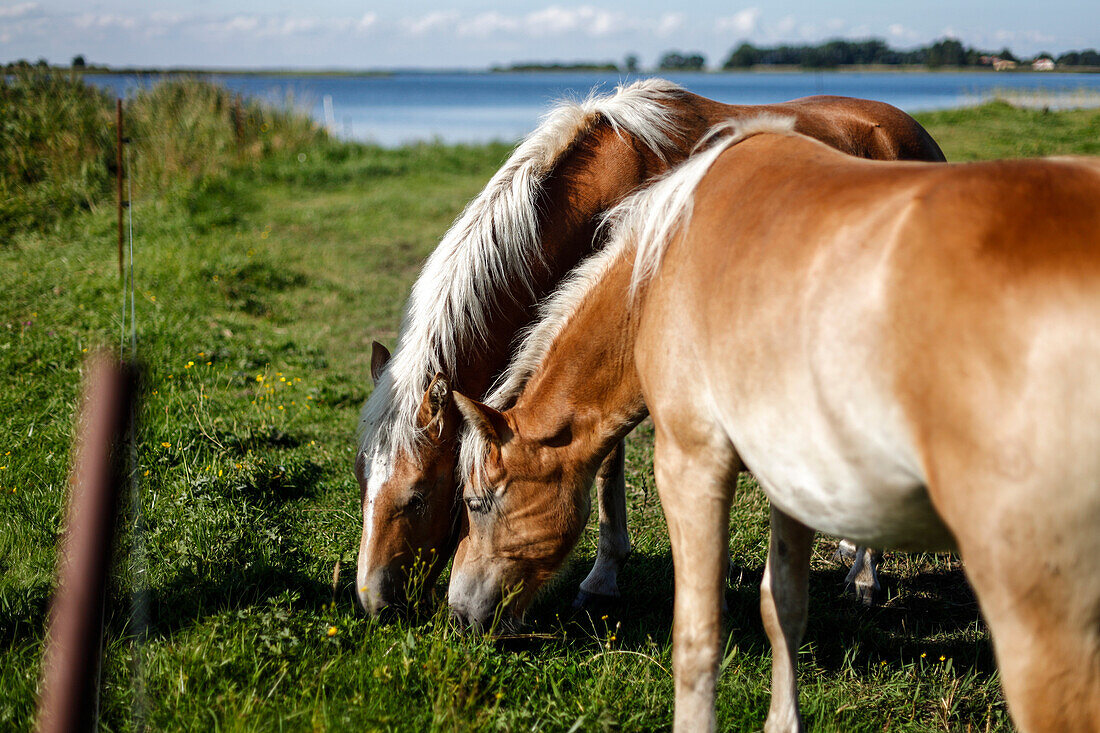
<point>377,472</point>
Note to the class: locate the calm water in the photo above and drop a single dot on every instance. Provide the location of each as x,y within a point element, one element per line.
<point>470,107</point>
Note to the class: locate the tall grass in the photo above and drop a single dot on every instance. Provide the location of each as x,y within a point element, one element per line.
<point>55,148</point>
<point>58,141</point>
<point>188,129</point>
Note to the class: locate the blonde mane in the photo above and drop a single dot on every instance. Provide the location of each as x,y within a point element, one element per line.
<point>645,221</point>
<point>491,247</point>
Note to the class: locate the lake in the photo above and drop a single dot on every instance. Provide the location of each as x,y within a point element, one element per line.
<point>480,107</point>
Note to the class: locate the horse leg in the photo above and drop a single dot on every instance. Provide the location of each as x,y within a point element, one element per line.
<point>784,595</point>
<point>613,546</point>
<point>863,574</point>
<point>696,487</point>
<point>1041,599</point>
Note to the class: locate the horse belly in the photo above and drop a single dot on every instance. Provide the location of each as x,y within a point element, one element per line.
<point>842,482</point>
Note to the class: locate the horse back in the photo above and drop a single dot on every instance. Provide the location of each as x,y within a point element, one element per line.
<point>863,328</point>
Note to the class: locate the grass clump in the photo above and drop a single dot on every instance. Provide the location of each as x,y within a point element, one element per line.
<point>56,148</point>
<point>59,139</point>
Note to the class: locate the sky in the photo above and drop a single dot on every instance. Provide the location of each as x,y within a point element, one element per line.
<point>474,34</point>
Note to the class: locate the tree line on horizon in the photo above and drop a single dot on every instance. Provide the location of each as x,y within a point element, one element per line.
<point>947,52</point>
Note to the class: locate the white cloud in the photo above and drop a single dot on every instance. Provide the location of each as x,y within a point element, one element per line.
<point>368,21</point>
<point>786,25</point>
<point>669,23</point>
<point>106,21</point>
<point>438,20</point>
<point>553,20</point>
<point>487,24</point>
<point>556,20</point>
<point>19,10</point>
<point>242,24</point>
<point>899,32</point>
<point>742,22</point>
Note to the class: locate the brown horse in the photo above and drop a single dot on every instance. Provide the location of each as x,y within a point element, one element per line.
<point>904,354</point>
<point>534,221</point>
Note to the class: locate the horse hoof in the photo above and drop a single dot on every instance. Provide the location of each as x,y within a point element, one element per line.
<point>866,595</point>
<point>585,600</point>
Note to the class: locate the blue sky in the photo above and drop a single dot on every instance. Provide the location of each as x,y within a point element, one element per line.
<point>477,33</point>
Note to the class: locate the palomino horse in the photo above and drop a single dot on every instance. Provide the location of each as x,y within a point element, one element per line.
<point>904,354</point>
<point>534,221</point>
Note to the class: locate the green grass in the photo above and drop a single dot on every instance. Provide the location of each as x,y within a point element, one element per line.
<point>260,285</point>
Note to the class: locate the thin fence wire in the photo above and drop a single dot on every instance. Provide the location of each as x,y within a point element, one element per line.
<point>138,575</point>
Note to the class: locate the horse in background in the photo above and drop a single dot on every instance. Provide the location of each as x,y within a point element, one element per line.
<point>904,354</point>
<point>511,246</point>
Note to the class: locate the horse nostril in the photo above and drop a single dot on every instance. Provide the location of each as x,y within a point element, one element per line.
<point>377,594</point>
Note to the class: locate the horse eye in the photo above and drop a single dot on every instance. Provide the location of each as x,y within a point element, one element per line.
<point>416,504</point>
<point>477,505</point>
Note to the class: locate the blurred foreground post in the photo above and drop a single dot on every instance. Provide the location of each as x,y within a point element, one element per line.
<point>74,638</point>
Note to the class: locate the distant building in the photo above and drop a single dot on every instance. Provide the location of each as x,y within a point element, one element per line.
<point>1000,64</point>
<point>1043,64</point>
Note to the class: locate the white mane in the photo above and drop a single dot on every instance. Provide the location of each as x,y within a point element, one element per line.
<point>493,244</point>
<point>645,221</point>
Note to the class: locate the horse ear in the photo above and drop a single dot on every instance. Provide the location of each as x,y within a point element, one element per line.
<point>433,407</point>
<point>379,357</point>
<point>489,422</point>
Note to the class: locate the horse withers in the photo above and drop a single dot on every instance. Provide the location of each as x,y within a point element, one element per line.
<point>903,354</point>
<point>510,248</point>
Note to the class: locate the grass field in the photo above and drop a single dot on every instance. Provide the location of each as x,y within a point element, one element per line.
<point>259,290</point>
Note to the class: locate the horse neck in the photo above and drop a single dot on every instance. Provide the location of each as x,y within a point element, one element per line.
<point>587,382</point>
<point>590,178</point>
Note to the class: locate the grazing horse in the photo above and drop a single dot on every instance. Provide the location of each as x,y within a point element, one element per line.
<point>904,354</point>
<point>536,219</point>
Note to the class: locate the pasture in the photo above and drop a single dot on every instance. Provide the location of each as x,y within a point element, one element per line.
<point>260,286</point>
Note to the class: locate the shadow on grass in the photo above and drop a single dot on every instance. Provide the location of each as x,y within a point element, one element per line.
<point>932,613</point>
<point>240,441</point>
<point>196,593</point>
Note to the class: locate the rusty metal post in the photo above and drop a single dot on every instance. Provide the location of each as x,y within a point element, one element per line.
<point>74,638</point>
